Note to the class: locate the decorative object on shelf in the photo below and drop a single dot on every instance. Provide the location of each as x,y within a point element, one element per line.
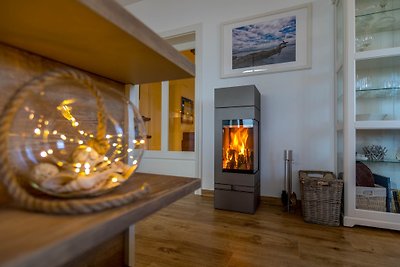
<point>364,175</point>
<point>58,137</point>
<point>375,152</point>
<point>272,42</point>
<point>361,157</point>
<point>364,41</point>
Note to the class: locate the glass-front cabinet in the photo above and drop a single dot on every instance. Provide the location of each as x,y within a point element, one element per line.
<point>368,110</point>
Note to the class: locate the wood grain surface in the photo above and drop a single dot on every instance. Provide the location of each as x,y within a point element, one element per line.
<point>33,239</point>
<point>98,36</point>
<point>191,232</point>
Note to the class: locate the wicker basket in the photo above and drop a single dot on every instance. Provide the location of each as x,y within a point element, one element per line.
<point>321,197</point>
<point>371,198</point>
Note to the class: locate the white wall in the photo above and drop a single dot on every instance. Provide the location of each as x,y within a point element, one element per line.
<point>296,107</point>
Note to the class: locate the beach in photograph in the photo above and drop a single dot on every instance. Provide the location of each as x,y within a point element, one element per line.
<point>266,43</point>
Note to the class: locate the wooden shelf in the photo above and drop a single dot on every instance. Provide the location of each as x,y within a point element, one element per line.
<point>98,36</point>
<point>34,239</point>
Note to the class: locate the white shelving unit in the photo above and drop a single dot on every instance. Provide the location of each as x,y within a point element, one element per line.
<point>367,65</point>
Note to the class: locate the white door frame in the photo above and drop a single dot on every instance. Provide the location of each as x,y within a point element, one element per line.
<point>164,160</point>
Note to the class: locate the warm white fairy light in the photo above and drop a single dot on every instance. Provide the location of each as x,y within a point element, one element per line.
<point>81,132</point>
<point>88,149</point>
<point>142,141</point>
<point>60,164</point>
<point>108,136</point>
<point>71,140</point>
<point>46,122</point>
<point>85,134</point>
<point>119,140</point>
<point>87,171</point>
<point>78,165</point>
<point>114,179</point>
<point>105,158</point>
<point>46,133</point>
<point>40,120</point>
<point>80,142</point>
<point>129,150</point>
<point>119,135</point>
<point>131,157</point>
<point>134,162</point>
<point>119,151</point>
<point>37,131</point>
<point>63,137</point>
<point>114,144</point>
<point>50,151</point>
<point>43,154</point>
<point>116,160</point>
<point>134,141</point>
<point>31,116</point>
<point>75,124</point>
<point>109,161</point>
<point>87,165</point>
<point>55,132</point>
<point>91,135</point>
<point>77,170</point>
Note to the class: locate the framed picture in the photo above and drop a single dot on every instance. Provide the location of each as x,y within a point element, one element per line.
<point>272,42</point>
<point>186,110</point>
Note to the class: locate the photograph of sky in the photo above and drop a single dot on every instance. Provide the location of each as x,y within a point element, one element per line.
<point>264,43</point>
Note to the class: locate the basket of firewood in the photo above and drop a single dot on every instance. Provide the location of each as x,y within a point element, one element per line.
<point>321,197</point>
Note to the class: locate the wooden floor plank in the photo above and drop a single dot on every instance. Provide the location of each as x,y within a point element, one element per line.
<point>191,232</point>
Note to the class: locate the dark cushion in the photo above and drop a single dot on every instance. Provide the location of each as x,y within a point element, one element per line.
<point>364,176</point>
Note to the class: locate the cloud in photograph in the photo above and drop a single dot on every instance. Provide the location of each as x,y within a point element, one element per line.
<point>264,35</point>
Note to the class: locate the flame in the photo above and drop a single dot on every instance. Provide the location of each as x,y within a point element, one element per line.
<point>236,150</point>
<point>239,138</point>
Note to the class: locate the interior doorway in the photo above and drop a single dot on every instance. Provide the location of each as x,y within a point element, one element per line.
<point>172,114</point>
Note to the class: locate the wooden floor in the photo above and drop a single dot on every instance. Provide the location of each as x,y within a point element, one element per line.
<point>191,232</point>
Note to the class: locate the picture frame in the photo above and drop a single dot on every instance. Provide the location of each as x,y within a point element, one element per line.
<point>272,42</point>
<point>186,110</point>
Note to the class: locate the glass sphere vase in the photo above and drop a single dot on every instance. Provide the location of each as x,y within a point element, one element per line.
<point>69,139</point>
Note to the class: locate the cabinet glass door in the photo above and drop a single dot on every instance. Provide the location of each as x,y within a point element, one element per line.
<point>377,99</point>
<point>378,170</point>
<point>378,89</point>
<point>377,24</point>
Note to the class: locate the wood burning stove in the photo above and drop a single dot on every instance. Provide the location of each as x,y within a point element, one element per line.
<point>236,172</point>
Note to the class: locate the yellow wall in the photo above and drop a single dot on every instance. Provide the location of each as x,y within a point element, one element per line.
<point>177,90</point>
<point>150,106</point>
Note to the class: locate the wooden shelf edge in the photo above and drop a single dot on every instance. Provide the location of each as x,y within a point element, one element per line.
<point>118,15</point>
<point>98,36</point>
<point>79,233</point>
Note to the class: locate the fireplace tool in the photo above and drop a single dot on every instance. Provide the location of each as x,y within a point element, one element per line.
<point>288,197</point>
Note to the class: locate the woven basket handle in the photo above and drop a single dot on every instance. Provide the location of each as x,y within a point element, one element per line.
<point>70,206</point>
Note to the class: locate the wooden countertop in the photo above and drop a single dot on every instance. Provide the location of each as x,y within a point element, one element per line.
<point>98,36</point>
<point>35,239</point>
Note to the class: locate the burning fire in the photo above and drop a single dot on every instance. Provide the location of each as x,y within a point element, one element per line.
<point>237,155</point>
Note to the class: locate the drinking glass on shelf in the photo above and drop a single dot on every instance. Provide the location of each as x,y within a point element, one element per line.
<point>363,41</point>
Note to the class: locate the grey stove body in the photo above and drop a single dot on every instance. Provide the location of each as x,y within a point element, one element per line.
<point>236,167</point>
